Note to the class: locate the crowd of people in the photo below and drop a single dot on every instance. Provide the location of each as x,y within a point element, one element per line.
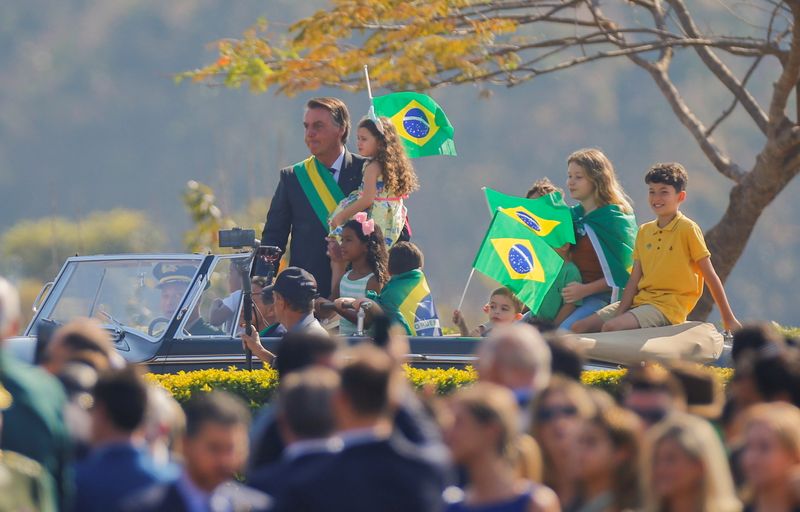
<point>345,431</point>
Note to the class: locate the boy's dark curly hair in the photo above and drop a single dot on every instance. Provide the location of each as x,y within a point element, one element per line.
<point>670,173</point>
<point>377,254</point>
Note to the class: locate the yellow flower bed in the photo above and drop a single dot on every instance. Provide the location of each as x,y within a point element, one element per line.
<point>257,387</point>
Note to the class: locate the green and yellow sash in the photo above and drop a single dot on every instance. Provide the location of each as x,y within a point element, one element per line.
<point>319,187</point>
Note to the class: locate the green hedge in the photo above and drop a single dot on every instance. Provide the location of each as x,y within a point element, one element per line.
<point>257,387</point>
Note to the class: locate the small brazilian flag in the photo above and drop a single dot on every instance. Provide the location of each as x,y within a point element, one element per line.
<point>420,122</point>
<point>547,216</point>
<point>516,258</point>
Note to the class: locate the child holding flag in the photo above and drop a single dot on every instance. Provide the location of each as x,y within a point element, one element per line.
<point>388,179</point>
<point>503,308</point>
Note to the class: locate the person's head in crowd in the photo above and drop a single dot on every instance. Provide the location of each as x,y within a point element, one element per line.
<point>305,404</point>
<point>670,174</point>
<point>772,373</point>
<point>591,180</point>
<point>164,425</point>
<point>367,395</point>
<point>503,308</point>
<point>565,360</point>
<point>264,300</point>
<point>542,187</point>
<point>215,444</point>
<point>652,392</point>
<point>515,356</point>
<point>293,293</point>
<point>81,340</point>
<point>364,242</point>
<point>9,309</point>
<point>752,338</point>
<point>298,350</point>
<point>685,468</point>
<point>607,454</point>
<point>120,402</point>
<point>405,257</point>
<point>327,127</point>
<point>557,416</point>
<point>704,393</point>
<point>771,455</point>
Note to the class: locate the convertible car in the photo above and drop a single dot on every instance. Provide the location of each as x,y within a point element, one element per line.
<point>169,328</point>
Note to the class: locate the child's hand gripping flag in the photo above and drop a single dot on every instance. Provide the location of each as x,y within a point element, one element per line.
<point>420,121</point>
<point>515,257</point>
<point>547,216</point>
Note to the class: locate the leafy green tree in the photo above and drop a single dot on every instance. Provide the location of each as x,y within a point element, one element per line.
<point>37,248</point>
<point>423,44</point>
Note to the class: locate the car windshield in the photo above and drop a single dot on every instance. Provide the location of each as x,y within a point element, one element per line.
<point>135,294</point>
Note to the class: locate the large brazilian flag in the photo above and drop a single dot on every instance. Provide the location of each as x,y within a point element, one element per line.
<point>407,299</point>
<point>421,123</point>
<point>514,256</point>
<point>548,216</point>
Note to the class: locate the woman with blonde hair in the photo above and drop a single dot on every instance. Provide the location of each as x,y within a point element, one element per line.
<point>771,457</point>
<point>557,417</point>
<point>605,232</point>
<point>685,469</point>
<point>608,451</point>
<point>482,439</point>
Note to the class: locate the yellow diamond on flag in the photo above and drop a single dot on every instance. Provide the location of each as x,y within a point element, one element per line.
<point>415,123</point>
<point>519,258</point>
<point>538,225</point>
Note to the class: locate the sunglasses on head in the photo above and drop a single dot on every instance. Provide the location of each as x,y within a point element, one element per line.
<point>546,414</point>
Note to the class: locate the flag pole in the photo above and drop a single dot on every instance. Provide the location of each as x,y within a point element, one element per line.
<point>464,294</point>
<point>369,87</point>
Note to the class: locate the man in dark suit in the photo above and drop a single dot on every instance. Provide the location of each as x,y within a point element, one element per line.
<point>376,470</point>
<point>306,421</point>
<point>119,465</point>
<point>214,450</point>
<point>327,126</point>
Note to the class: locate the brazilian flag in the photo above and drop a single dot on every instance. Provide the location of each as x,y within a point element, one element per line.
<point>514,256</point>
<point>407,300</point>
<point>421,123</point>
<point>548,216</point>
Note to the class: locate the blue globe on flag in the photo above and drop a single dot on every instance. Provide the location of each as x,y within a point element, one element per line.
<point>415,123</point>
<point>520,259</point>
<point>529,221</point>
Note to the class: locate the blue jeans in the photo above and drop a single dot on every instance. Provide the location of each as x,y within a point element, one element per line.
<point>590,304</point>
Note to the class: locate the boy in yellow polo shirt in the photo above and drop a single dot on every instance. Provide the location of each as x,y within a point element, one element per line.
<point>671,261</point>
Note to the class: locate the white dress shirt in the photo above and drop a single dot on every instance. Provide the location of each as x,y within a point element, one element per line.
<point>337,166</point>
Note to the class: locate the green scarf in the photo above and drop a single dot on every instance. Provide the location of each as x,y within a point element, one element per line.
<point>613,235</point>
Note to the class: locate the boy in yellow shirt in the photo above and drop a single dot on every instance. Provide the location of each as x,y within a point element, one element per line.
<point>671,261</point>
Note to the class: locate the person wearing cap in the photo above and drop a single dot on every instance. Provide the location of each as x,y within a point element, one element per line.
<point>173,279</point>
<point>293,294</point>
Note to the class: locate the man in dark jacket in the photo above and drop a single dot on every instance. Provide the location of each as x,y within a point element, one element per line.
<point>376,469</point>
<point>308,191</point>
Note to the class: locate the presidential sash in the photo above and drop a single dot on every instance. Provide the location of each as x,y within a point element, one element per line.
<point>321,190</point>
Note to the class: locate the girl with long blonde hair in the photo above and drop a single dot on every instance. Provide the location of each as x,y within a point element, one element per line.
<point>605,232</point>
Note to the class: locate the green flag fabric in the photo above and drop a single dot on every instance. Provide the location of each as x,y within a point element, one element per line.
<point>407,300</point>
<point>613,235</point>
<point>516,258</point>
<point>548,216</point>
<point>420,121</point>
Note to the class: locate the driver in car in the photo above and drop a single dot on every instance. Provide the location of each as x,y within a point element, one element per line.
<point>173,279</point>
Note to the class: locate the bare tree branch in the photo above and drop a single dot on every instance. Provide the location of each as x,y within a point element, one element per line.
<point>788,79</point>
<point>732,106</point>
<point>722,72</point>
<point>721,162</point>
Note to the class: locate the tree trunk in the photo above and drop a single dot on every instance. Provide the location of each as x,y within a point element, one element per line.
<point>748,199</point>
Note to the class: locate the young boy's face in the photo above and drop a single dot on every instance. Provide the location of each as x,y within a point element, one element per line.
<point>664,199</point>
<point>501,310</point>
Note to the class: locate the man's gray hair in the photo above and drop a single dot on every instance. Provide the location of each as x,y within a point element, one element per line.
<point>9,306</point>
<point>519,346</point>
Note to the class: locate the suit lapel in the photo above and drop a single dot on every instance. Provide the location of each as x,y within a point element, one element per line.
<point>350,174</point>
